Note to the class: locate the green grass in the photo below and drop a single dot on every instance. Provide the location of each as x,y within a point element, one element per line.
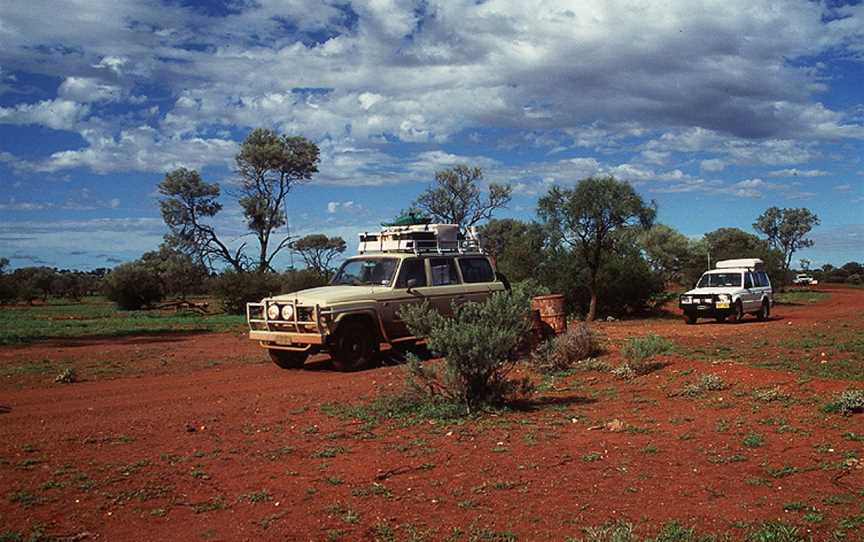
<point>98,317</point>
<point>798,297</point>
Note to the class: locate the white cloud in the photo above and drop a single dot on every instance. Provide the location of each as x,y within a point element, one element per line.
<point>712,164</point>
<point>59,114</point>
<point>795,172</point>
<point>87,89</point>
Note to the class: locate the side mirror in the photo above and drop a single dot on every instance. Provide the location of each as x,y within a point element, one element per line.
<point>411,284</point>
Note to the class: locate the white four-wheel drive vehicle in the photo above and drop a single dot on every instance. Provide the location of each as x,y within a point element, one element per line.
<point>734,288</point>
<point>804,279</point>
<point>349,319</point>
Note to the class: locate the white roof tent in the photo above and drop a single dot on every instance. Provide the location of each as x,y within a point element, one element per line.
<point>419,238</point>
<point>753,264</point>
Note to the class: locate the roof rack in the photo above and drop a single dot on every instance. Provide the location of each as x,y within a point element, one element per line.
<point>420,239</point>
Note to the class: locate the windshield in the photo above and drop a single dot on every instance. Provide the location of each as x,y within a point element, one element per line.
<point>713,280</point>
<point>366,272</point>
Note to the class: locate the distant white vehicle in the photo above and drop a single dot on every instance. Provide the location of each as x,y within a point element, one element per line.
<point>733,289</point>
<point>803,279</point>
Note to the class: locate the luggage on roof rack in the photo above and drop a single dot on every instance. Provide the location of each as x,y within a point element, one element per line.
<point>418,238</point>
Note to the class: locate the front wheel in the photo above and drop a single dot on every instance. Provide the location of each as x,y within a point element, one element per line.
<point>690,318</point>
<point>739,311</point>
<point>354,347</point>
<point>286,359</point>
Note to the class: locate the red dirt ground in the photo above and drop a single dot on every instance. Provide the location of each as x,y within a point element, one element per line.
<point>193,437</point>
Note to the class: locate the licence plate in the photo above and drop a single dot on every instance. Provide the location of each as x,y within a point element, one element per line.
<point>722,305</point>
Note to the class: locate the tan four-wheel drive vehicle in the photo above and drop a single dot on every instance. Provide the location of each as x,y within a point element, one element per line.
<point>350,318</point>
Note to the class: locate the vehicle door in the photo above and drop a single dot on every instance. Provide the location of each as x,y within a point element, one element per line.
<point>446,288</point>
<point>750,299</point>
<point>478,278</point>
<point>411,287</point>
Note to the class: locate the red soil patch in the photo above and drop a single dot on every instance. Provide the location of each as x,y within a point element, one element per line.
<point>243,450</point>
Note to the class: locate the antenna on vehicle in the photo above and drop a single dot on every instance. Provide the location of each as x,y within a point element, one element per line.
<point>288,234</point>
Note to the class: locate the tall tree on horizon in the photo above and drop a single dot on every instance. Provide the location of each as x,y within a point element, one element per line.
<point>786,230</point>
<point>589,217</point>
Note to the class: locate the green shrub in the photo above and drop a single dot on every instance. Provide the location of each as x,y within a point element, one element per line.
<point>640,349</point>
<point>638,352</point>
<point>234,290</point>
<point>564,351</point>
<point>133,286</point>
<point>846,403</point>
<point>479,343</point>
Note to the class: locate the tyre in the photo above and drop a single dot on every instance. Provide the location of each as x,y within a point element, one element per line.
<point>355,346</point>
<point>764,312</point>
<point>721,318</point>
<point>286,359</point>
<point>739,311</point>
<point>690,318</point>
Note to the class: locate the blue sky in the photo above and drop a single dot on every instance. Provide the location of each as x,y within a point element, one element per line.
<point>715,109</point>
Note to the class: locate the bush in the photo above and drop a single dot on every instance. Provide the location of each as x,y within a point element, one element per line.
<point>235,289</point>
<point>848,402</point>
<point>855,279</point>
<point>708,382</point>
<point>563,352</point>
<point>133,286</point>
<point>637,353</point>
<point>479,343</point>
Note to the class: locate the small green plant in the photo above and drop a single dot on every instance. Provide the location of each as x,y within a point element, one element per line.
<point>708,382</point>
<point>262,495</point>
<point>753,440</point>
<point>25,498</point>
<point>565,351</point>
<point>329,451</point>
<point>769,395</point>
<point>591,457</point>
<point>775,531</point>
<point>846,403</point>
<point>67,376</point>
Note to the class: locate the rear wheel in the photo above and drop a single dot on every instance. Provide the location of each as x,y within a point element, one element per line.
<point>287,359</point>
<point>764,312</point>
<point>721,318</point>
<point>690,318</point>
<point>354,347</point>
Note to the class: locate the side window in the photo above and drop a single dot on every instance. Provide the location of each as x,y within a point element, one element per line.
<point>763,279</point>
<point>748,282</point>
<point>443,271</point>
<point>476,270</point>
<point>412,269</point>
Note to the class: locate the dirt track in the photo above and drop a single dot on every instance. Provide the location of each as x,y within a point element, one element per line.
<point>169,447</point>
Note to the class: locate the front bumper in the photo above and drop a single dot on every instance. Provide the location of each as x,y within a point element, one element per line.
<point>706,304</point>
<point>304,331</point>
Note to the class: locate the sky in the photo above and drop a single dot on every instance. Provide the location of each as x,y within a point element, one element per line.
<point>715,109</point>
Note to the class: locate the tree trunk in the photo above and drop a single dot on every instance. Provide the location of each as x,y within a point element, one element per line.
<point>592,307</point>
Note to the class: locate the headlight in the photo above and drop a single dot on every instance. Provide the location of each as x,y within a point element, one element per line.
<point>273,312</point>
<point>723,298</point>
<point>686,299</point>
<point>287,312</point>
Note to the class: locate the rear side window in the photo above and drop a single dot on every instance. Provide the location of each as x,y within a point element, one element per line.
<point>476,270</point>
<point>412,269</point>
<point>763,279</point>
<point>443,271</point>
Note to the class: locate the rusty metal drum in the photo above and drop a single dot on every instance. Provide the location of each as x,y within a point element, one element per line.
<point>551,308</point>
